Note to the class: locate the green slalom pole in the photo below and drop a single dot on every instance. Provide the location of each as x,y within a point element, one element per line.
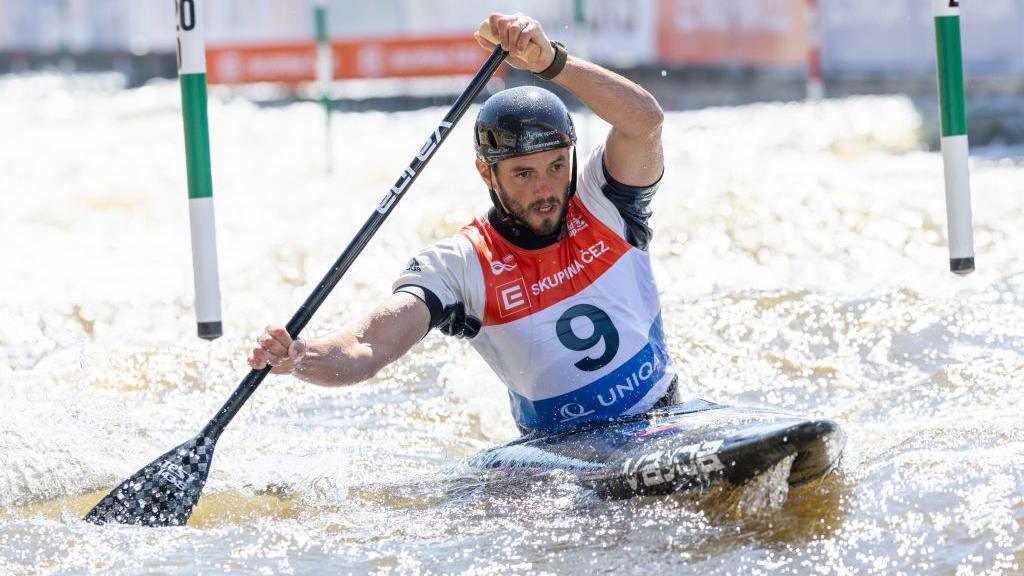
<point>579,17</point>
<point>192,75</point>
<point>954,135</point>
<point>324,71</point>
<point>579,12</point>
<point>65,61</point>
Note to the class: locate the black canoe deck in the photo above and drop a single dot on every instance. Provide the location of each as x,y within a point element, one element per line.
<point>689,445</point>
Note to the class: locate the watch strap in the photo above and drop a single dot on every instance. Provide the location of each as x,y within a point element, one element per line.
<point>556,66</point>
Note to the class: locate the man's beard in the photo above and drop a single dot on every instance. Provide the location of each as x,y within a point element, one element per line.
<point>520,213</point>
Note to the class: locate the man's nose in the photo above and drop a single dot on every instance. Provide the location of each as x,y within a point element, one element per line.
<point>545,186</point>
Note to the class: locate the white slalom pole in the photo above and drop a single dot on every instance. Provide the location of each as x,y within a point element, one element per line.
<point>324,71</point>
<point>953,120</point>
<point>192,76</point>
<point>815,83</point>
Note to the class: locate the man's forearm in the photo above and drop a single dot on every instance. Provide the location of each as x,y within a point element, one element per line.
<point>338,360</point>
<point>352,354</point>
<point>621,102</point>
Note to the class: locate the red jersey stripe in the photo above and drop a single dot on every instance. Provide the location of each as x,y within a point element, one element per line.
<point>522,282</point>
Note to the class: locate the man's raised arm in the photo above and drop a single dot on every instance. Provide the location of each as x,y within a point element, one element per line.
<point>633,151</point>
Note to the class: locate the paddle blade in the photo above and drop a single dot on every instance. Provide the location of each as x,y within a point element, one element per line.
<point>164,492</point>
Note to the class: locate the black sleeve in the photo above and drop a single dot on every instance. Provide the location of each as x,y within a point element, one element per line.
<point>451,320</point>
<point>634,204</point>
<point>429,298</point>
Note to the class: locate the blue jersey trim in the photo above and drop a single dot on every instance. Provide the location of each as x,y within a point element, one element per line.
<point>609,396</point>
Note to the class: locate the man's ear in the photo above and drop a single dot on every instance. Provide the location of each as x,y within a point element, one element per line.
<point>485,173</point>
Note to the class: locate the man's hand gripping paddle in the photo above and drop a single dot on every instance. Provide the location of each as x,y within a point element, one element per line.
<point>164,492</point>
<point>531,54</point>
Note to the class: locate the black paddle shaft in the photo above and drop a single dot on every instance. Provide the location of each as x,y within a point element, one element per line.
<point>355,247</point>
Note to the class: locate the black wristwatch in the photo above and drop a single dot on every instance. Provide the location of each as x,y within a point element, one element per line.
<point>557,64</point>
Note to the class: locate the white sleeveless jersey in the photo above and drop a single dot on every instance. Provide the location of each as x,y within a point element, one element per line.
<point>573,329</point>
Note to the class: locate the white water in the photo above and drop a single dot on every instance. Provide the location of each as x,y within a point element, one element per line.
<point>799,249</point>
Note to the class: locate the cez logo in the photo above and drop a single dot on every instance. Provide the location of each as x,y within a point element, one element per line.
<point>507,264</point>
<point>512,298</point>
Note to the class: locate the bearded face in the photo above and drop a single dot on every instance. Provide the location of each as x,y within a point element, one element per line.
<point>534,189</point>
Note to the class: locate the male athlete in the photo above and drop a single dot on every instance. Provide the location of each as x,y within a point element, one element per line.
<point>553,286</point>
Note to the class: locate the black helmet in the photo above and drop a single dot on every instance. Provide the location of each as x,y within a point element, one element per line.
<point>520,121</point>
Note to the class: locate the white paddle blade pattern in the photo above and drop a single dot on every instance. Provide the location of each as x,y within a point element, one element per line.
<point>161,494</point>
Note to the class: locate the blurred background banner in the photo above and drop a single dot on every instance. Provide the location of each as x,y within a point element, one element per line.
<point>372,58</point>
<point>273,40</point>
<point>898,35</point>
<point>138,27</point>
<point>744,32</point>
<point>407,38</point>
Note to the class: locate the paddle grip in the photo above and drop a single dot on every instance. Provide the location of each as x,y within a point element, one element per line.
<point>531,54</point>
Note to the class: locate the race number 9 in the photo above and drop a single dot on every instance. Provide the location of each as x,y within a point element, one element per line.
<point>603,330</point>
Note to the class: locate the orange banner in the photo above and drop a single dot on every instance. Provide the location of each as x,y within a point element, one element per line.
<point>719,32</point>
<point>368,58</point>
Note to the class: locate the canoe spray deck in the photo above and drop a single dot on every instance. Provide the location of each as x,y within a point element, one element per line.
<point>690,445</point>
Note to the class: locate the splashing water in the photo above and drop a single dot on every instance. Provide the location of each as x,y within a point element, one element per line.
<point>800,253</point>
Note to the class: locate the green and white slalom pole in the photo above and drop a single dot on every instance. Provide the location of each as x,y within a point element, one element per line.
<point>579,17</point>
<point>954,135</point>
<point>324,71</point>
<point>192,75</point>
